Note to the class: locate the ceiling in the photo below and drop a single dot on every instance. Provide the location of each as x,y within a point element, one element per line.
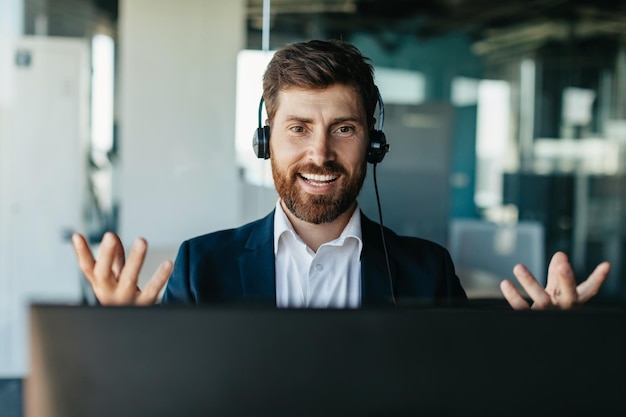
<point>426,17</point>
<point>435,17</point>
<point>493,25</point>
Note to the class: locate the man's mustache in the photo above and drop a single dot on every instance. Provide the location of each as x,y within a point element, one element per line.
<point>329,168</point>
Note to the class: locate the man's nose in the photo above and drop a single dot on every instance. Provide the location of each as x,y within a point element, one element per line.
<point>321,148</point>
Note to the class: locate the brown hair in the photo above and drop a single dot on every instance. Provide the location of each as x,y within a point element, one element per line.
<point>320,64</point>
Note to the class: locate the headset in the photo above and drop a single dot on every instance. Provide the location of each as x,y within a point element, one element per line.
<point>375,153</point>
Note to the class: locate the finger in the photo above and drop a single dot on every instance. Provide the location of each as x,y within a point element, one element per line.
<point>83,253</point>
<point>130,273</point>
<point>108,253</point>
<point>590,287</point>
<point>560,266</point>
<point>153,288</point>
<point>119,257</point>
<point>513,296</point>
<point>535,291</point>
<point>562,287</point>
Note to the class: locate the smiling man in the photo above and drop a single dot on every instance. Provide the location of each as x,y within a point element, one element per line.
<point>315,249</point>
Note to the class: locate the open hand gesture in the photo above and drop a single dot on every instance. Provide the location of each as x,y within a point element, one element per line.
<point>561,290</point>
<point>113,278</point>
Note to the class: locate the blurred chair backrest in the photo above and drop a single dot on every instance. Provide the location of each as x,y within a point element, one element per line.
<point>480,245</point>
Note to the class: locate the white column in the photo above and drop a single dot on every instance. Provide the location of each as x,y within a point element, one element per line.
<point>178,176</point>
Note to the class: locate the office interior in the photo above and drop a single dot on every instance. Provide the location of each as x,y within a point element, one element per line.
<point>506,120</point>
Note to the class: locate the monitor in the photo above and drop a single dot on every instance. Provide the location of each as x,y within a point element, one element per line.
<point>233,361</point>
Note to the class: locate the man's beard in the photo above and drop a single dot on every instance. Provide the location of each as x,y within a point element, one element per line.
<point>314,208</point>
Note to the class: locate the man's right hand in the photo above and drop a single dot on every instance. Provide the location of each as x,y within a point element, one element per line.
<point>113,278</point>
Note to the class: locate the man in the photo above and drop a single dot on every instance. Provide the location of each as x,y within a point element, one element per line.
<point>316,249</point>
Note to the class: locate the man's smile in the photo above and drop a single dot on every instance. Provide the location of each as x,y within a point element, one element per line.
<point>318,180</point>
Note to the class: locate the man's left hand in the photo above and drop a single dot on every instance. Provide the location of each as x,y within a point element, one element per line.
<point>561,291</point>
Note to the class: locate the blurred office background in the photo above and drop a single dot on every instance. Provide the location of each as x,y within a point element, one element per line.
<point>507,125</point>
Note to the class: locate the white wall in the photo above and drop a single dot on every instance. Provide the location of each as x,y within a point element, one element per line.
<point>178,176</point>
<point>11,18</point>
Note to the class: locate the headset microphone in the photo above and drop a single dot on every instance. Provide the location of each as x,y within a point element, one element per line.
<point>377,150</point>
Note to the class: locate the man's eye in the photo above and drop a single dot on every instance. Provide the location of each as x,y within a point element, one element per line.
<point>345,129</point>
<point>297,129</point>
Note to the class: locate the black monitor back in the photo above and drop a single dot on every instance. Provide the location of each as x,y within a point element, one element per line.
<point>157,361</point>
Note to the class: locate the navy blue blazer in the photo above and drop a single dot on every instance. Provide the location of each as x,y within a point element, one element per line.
<point>237,266</point>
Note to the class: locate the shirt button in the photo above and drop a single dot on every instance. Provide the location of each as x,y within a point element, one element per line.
<point>319,267</point>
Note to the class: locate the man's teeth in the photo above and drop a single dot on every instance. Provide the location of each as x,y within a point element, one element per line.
<point>320,179</point>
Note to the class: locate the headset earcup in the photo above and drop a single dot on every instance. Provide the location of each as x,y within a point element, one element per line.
<point>261,142</point>
<point>378,147</point>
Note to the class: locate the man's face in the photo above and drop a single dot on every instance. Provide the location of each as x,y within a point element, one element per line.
<point>318,143</point>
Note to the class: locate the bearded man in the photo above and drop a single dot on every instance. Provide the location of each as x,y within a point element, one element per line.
<point>315,249</point>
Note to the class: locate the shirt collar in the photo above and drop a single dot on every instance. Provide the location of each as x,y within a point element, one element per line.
<point>283,225</point>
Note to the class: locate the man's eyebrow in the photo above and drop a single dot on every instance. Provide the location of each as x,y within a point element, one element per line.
<point>294,118</point>
<point>352,119</point>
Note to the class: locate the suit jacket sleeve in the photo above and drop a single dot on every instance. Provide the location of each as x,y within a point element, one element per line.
<point>421,271</point>
<point>425,273</point>
<point>229,266</point>
<point>178,290</point>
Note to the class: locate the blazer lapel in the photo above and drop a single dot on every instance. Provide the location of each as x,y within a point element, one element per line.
<point>375,284</point>
<point>256,263</point>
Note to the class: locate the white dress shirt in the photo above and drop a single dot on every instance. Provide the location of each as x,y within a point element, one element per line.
<point>328,278</point>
